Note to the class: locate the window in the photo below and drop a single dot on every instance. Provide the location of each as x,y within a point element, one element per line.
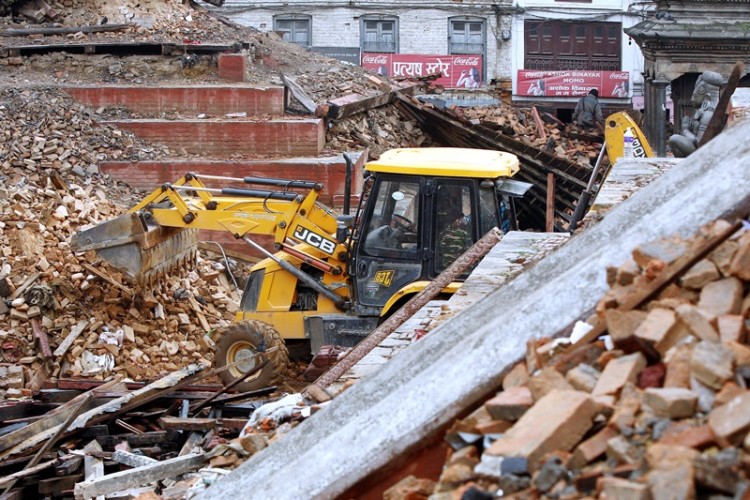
<point>466,36</point>
<point>379,34</point>
<point>571,45</point>
<point>295,28</point>
<point>454,223</point>
<point>393,229</point>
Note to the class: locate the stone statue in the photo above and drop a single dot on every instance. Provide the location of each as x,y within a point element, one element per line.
<point>706,97</point>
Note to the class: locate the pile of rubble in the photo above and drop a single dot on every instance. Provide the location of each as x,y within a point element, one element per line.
<point>62,314</point>
<point>657,408</point>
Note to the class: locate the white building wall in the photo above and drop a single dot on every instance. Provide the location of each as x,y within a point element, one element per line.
<point>423,25</point>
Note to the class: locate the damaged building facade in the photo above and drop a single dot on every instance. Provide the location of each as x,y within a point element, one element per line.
<point>508,45</point>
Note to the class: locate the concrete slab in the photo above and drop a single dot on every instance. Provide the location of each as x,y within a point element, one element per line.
<point>462,361</point>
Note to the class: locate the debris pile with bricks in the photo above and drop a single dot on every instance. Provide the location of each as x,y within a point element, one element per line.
<point>652,407</point>
<point>62,314</point>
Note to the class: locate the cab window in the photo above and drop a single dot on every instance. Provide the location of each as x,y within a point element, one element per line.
<point>393,229</point>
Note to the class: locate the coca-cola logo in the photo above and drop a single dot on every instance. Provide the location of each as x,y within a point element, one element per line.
<point>618,76</point>
<point>466,61</point>
<point>379,59</point>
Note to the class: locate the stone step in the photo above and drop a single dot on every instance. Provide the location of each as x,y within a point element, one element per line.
<point>223,138</point>
<point>212,100</point>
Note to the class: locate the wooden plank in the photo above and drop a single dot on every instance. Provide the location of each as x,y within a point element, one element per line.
<point>139,476</point>
<point>64,30</point>
<point>93,467</point>
<point>47,424</point>
<point>72,336</point>
<point>299,93</point>
<point>550,212</point>
<point>538,122</point>
<point>12,478</point>
<point>41,338</point>
<point>107,411</point>
<point>26,284</point>
<point>187,424</point>
<point>137,440</point>
<point>107,278</point>
<point>58,485</point>
<point>352,104</point>
<point>131,459</point>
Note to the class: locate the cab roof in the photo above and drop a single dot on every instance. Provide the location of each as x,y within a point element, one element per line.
<point>446,162</point>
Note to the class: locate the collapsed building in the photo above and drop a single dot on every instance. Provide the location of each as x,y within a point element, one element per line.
<point>71,328</point>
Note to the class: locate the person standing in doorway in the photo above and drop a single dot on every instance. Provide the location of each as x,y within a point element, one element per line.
<point>588,112</point>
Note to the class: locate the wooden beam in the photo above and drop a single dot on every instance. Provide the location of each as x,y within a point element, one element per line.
<point>26,284</point>
<point>71,337</point>
<point>719,118</point>
<point>12,478</point>
<point>41,338</point>
<point>131,459</point>
<point>299,93</point>
<point>139,476</point>
<point>187,424</point>
<point>352,104</point>
<point>93,467</point>
<point>550,217</point>
<point>64,30</point>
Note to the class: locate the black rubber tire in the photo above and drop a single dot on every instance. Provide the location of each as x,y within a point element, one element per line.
<point>245,339</point>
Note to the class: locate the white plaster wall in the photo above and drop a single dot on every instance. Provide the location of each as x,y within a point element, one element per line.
<point>423,25</point>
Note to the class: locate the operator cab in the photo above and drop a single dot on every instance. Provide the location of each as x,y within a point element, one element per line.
<point>425,208</point>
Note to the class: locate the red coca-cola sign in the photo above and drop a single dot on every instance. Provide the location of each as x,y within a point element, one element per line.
<point>573,83</point>
<point>457,71</point>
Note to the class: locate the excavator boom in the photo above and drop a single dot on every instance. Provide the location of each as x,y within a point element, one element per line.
<point>160,233</point>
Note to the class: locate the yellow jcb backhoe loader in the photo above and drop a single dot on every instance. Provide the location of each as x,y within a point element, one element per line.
<point>333,278</point>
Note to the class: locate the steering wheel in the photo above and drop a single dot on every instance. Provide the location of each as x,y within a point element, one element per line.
<point>402,222</point>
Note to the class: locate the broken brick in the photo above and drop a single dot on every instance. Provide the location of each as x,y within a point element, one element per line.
<point>711,364</point>
<point>661,330</point>
<point>618,372</point>
<point>555,422</point>
<point>510,404</point>
<point>722,297</point>
<point>672,402</point>
<point>729,420</point>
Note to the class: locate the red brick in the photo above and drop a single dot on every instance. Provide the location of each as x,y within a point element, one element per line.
<point>698,322</point>
<point>685,434</point>
<point>622,489</point>
<point>213,100</point>
<point>224,138</point>
<point>672,402</point>
<point>591,449</point>
<point>678,367</point>
<point>740,266</point>
<point>619,372</point>
<point>622,325</point>
<point>652,376</point>
<point>545,381</point>
<point>556,422</point>
<point>722,297</point>
<point>731,419</point>
<point>510,404</point>
<point>731,327</point>
<point>711,364</point>
<point>232,67</point>
<point>700,274</point>
<point>516,377</point>
<point>661,330</point>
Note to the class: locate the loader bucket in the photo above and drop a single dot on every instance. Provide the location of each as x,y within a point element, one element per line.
<point>142,251</point>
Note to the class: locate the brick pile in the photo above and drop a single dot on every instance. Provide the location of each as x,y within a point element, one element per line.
<point>50,189</point>
<point>658,408</point>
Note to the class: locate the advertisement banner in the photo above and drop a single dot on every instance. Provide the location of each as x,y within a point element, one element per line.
<point>573,83</point>
<point>458,71</point>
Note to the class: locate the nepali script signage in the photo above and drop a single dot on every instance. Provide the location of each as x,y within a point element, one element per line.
<point>573,83</point>
<point>458,71</point>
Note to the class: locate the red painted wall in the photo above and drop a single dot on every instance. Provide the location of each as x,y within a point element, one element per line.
<point>213,100</point>
<point>285,137</point>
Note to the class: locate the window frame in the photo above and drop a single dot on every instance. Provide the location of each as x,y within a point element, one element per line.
<point>379,46</point>
<point>452,34</point>
<point>294,18</point>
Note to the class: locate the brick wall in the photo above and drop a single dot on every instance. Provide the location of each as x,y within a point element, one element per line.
<point>213,100</point>
<point>219,138</point>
